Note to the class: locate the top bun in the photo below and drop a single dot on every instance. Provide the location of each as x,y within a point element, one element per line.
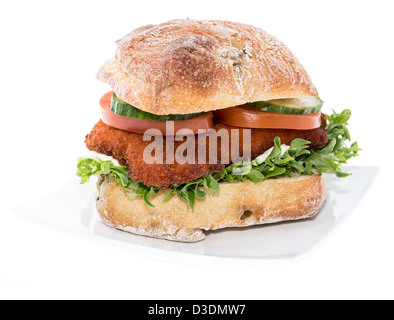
<point>189,66</point>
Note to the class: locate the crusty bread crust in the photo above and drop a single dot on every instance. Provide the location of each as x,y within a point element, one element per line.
<point>237,205</point>
<point>187,66</point>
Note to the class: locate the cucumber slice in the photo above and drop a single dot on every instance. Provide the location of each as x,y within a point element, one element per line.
<point>305,105</point>
<point>124,109</point>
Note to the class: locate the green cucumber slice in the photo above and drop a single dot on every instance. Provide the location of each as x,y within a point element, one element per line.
<point>124,109</point>
<point>305,105</point>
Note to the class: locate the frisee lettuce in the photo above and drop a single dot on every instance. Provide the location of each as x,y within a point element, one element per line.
<point>281,161</point>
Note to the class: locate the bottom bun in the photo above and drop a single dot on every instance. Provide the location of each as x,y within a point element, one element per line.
<point>238,205</point>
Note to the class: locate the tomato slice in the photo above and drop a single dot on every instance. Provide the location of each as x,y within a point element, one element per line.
<point>204,121</point>
<point>249,117</point>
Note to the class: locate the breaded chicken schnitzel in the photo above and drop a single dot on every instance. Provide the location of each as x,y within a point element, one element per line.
<point>128,148</point>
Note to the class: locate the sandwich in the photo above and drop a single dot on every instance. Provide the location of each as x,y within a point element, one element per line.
<point>210,125</point>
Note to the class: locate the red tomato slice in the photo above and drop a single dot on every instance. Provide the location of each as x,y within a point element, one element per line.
<point>204,121</point>
<point>249,117</point>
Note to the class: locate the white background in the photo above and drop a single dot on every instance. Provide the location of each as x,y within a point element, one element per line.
<point>50,52</point>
